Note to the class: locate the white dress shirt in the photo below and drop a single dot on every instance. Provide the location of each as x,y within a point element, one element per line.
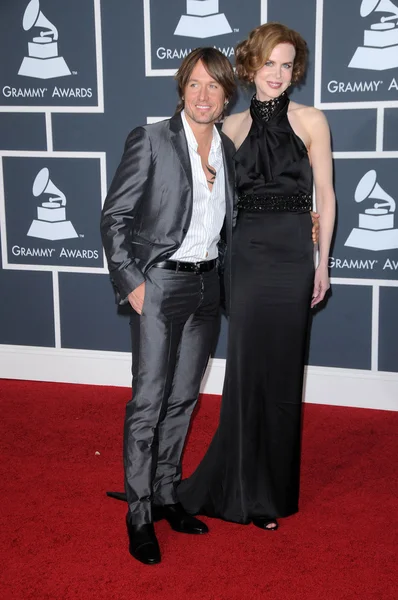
<point>200,242</point>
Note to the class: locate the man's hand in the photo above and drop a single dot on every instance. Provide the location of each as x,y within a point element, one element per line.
<point>136,298</point>
<point>315,227</point>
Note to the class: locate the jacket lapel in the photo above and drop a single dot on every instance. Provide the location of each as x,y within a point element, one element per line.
<point>179,141</point>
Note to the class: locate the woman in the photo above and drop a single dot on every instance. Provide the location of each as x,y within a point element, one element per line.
<point>251,469</point>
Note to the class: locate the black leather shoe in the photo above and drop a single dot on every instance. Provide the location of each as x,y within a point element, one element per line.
<point>143,543</point>
<point>178,519</point>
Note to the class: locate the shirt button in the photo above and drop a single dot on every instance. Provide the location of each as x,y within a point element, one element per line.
<point>207,254</point>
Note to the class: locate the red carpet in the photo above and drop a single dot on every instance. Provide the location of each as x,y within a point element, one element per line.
<point>61,538</point>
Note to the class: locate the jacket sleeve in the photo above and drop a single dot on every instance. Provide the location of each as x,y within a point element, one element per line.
<point>125,194</point>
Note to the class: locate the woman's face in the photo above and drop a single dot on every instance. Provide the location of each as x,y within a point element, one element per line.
<point>276,74</point>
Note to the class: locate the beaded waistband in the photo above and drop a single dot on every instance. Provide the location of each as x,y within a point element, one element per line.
<point>262,203</point>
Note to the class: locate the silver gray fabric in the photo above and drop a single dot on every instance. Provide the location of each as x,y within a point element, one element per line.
<point>148,209</point>
<point>171,342</point>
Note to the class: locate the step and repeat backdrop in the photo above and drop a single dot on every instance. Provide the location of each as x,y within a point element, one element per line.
<point>77,76</point>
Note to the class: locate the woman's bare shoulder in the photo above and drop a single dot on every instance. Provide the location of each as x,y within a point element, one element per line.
<point>232,124</point>
<point>308,114</point>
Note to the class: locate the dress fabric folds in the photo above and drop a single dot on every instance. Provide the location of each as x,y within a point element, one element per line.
<point>252,466</point>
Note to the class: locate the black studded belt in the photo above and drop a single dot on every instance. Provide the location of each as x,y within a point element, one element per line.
<point>187,267</point>
<point>263,203</point>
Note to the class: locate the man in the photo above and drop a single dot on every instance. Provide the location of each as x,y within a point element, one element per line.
<point>172,194</point>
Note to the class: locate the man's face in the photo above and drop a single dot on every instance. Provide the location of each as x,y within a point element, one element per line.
<point>204,97</point>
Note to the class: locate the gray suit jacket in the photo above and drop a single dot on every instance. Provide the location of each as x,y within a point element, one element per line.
<point>148,208</point>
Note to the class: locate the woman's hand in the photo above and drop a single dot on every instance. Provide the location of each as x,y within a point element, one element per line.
<point>321,284</point>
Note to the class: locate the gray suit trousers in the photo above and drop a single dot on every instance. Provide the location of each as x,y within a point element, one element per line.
<point>171,343</point>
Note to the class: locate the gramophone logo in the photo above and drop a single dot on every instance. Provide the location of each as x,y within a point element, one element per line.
<point>203,20</point>
<point>380,45</point>
<point>43,61</point>
<point>375,230</point>
<point>173,29</point>
<point>51,223</point>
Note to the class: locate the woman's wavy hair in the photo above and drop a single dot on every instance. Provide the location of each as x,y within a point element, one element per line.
<point>215,63</point>
<point>252,54</point>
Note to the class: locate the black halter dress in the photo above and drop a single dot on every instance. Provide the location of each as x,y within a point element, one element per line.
<point>251,468</point>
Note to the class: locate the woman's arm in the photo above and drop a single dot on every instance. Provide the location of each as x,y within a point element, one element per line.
<point>321,160</point>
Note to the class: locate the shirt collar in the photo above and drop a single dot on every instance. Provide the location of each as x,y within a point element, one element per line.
<point>191,139</point>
